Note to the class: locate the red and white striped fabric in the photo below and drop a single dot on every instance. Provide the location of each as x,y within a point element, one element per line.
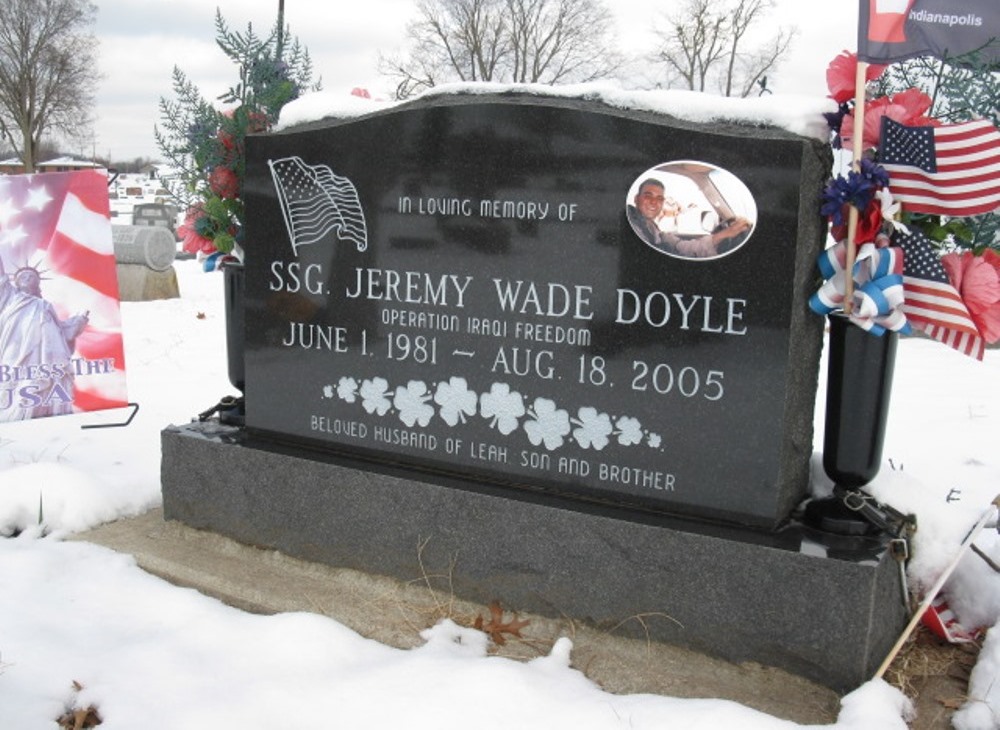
<point>932,303</point>
<point>951,169</point>
<point>59,224</point>
<point>943,623</point>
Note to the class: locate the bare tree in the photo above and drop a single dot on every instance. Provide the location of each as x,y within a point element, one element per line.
<point>47,72</point>
<point>693,42</point>
<point>518,41</point>
<point>705,44</point>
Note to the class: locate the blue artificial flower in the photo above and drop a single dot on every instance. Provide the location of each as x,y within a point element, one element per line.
<point>834,198</point>
<point>857,189</point>
<point>874,173</point>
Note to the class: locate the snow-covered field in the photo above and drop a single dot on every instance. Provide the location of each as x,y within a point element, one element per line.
<point>152,655</point>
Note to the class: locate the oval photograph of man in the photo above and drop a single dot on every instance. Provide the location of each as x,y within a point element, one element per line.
<point>692,210</point>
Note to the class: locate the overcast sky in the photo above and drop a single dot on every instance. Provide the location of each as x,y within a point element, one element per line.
<point>142,40</point>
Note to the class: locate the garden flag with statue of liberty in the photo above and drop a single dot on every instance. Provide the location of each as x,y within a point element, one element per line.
<point>61,345</point>
<point>895,30</point>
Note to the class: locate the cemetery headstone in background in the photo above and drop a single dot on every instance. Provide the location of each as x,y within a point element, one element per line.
<point>155,214</point>
<point>144,258</point>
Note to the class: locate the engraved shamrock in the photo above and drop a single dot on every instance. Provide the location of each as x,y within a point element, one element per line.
<point>347,390</point>
<point>548,424</point>
<point>654,440</point>
<point>373,396</point>
<point>456,400</point>
<point>503,406</point>
<point>411,402</point>
<point>328,391</point>
<point>593,428</point>
<point>629,431</point>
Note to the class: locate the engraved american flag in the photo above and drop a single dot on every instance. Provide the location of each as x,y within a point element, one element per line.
<point>315,200</point>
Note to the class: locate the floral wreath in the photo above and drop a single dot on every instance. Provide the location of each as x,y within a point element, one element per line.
<point>884,276</point>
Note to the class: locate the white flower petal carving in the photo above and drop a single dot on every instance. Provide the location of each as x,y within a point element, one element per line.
<point>456,400</point>
<point>412,403</point>
<point>374,396</point>
<point>503,407</point>
<point>629,431</point>
<point>593,430</point>
<point>347,390</point>
<point>549,425</point>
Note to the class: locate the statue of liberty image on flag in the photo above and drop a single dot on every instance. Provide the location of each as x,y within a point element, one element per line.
<point>61,348</point>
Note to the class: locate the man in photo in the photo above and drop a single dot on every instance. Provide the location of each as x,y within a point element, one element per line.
<point>645,214</point>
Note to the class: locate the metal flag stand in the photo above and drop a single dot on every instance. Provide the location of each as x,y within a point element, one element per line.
<point>122,424</point>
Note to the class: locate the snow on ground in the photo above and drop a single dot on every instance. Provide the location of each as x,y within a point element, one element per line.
<point>152,655</point>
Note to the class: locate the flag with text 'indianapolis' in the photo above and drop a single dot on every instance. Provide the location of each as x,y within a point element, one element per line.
<point>895,30</point>
<point>315,200</point>
<point>61,348</point>
<point>931,303</point>
<point>953,169</point>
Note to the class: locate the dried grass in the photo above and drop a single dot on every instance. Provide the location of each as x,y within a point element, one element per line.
<point>924,656</point>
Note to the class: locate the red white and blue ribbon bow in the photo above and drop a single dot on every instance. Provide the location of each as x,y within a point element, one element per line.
<point>878,287</point>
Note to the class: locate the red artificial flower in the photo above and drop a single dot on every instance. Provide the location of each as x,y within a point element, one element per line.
<point>256,122</point>
<point>907,107</point>
<point>363,93</point>
<point>226,139</point>
<point>869,224</point>
<point>977,280</point>
<point>916,103</point>
<point>192,241</point>
<point>223,182</point>
<point>841,73</point>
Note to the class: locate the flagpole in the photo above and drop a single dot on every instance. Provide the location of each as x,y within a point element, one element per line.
<point>858,147</point>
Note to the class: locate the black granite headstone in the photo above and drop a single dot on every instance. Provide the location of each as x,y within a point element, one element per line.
<point>460,337</point>
<point>467,286</point>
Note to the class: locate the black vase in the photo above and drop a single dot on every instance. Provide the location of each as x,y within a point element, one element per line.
<point>859,384</point>
<point>234,281</point>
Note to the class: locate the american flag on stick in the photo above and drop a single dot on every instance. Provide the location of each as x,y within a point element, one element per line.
<point>950,170</point>
<point>315,200</point>
<point>932,304</point>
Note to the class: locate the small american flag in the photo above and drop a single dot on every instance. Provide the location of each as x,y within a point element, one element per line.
<point>948,170</point>
<point>932,304</point>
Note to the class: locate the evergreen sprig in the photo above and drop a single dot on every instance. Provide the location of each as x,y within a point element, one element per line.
<point>205,145</point>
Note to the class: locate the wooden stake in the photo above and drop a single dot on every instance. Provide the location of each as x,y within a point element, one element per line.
<point>858,147</point>
<point>939,584</point>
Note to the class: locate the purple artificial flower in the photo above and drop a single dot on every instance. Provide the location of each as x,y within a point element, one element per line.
<point>835,119</point>
<point>857,189</point>
<point>875,173</point>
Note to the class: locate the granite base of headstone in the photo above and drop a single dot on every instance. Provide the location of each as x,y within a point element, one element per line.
<point>824,607</point>
<point>563,346</point>
<point>137,283</point>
